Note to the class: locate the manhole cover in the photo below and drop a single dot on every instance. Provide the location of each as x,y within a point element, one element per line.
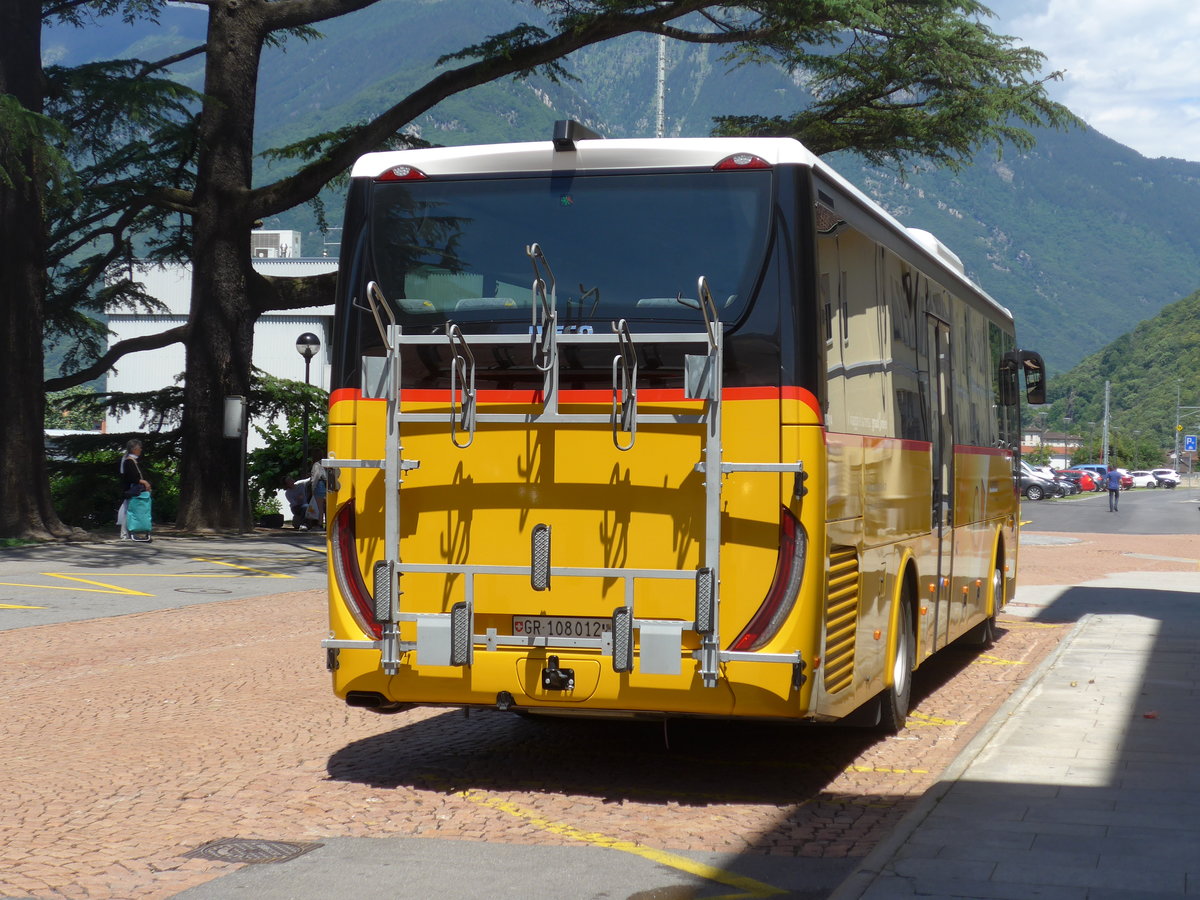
<point>248,850</point>
<point>202,591</point>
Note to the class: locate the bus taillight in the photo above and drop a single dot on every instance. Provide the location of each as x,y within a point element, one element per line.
<point>347,573</point>
<point>401,173</point>
<point>741,161</point>
<point>789,571</point>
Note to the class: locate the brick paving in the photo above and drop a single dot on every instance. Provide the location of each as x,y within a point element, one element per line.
<point>129,741</point>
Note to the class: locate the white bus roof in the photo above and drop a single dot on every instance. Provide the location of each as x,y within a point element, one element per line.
<point>643,154</point>
<point>540,156</point>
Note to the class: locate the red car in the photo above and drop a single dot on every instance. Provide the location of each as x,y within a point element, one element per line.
<point>1085,479</point>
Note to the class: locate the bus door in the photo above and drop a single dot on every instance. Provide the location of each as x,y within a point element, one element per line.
<point>936,386</point>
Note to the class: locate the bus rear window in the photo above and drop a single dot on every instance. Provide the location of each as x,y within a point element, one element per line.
<point>619,246</point>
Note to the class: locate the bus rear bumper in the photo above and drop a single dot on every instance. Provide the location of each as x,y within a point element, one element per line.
<point>750,685</point>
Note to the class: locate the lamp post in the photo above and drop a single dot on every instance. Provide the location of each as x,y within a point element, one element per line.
<point>307,346</point>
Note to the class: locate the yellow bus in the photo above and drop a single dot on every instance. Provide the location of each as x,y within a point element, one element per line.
<point>671,427</point>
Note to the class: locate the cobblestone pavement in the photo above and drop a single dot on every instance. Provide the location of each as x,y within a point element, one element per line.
<point>129,741</point>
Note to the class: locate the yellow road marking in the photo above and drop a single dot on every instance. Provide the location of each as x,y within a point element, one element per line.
<point>15,606</point>
<point>262,572</point>
<point>751,886</point>
<point>102,587</point>
<point>985,660</point>
<point>106,587</point>
<point>925,720</point>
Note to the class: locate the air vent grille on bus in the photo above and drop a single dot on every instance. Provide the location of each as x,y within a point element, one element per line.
<point>841,618</point>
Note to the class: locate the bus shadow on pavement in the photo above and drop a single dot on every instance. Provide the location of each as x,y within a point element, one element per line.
<point>1072,604</point>
<point>685,761</point>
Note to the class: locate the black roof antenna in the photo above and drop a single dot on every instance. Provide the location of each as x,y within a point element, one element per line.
<point>568,131</point>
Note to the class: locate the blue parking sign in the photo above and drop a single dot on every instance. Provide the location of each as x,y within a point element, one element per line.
<point>1189,442</point>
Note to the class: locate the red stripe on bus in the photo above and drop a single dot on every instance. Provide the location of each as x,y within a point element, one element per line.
<point>442,395</point>
<point>834,437</point>
<point>805,396</point>
<point>981,451</point>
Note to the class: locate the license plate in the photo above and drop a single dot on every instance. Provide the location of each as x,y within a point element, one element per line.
<point>560,626</point>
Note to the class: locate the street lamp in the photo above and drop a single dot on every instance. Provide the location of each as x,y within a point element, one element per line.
<point>307,346</point>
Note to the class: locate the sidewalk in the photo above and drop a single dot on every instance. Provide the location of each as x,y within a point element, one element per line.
<point>1084,786</point>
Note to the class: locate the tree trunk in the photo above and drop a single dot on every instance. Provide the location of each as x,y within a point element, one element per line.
<point>221,322</point>
<point>25,507</point>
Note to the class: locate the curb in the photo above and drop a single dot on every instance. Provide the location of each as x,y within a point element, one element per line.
<point>874,863</point>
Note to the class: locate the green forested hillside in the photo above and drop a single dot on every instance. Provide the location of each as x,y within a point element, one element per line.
<point>1148,369</point>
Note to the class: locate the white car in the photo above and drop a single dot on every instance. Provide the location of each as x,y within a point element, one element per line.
<point>1166,477</point>
<point>1144,479</point>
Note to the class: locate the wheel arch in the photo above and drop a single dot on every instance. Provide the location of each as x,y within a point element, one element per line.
<point>904,591</point>
<point>999,561</point>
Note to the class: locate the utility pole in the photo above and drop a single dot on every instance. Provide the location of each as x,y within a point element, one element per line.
<point>1107,395</point>
<point>1178,426</point>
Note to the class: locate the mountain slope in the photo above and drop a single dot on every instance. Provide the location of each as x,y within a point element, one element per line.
<point>1081,237</point>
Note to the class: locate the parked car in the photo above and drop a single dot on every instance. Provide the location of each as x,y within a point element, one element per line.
<point>1143,479</point>
<point>1097,470</point>
<point>1167,478</point>
<point>1087,481</point>
<point>1035,487</point>
<point>1126,479</point>
<point>1083,478</point>
<point>1070,485</point>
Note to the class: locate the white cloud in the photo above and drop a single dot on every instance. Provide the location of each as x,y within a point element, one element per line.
<point>1132,69</point>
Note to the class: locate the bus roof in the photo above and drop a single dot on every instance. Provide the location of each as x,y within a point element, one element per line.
<point>588,155</point>
<point>642,154</point>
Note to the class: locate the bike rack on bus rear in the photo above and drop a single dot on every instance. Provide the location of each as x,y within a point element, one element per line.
<point>449,639</point>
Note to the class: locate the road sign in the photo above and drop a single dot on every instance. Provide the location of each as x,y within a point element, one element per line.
<point>1189,443</point>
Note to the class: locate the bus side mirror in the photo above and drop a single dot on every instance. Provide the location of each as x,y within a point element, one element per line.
<point>1035,376</point>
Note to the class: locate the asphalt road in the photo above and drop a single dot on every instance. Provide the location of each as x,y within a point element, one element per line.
<point>1141,511</point>
<point>55,583</point>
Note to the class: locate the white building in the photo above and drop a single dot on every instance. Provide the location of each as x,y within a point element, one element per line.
<point>274,334</point>
<point>266,244</point>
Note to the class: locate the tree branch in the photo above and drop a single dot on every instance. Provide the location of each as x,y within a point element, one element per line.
<point>272,293</point>
<point>292,13</point>
<point>167,61</point>
<point>307,183</point>
<point>115,352</point>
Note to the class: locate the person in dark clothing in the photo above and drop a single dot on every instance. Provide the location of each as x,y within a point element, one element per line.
<point>1112,481</point>
<point>133,482</point>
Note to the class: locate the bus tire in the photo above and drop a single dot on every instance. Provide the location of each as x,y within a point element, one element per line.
<point>984,634</point>
<point>895,699</point>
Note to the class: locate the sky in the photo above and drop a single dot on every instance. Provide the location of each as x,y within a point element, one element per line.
<point>1132,66</point>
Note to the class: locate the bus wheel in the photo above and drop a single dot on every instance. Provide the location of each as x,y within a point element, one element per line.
<point>984,634</point>
<point>894,701</point>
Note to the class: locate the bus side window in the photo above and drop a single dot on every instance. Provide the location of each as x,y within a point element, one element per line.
<point>1008,379</point>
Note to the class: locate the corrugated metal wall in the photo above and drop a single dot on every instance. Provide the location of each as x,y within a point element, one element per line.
<point>274,336</point>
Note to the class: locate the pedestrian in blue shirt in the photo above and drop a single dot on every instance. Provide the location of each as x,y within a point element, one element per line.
<point>1112,480</point>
